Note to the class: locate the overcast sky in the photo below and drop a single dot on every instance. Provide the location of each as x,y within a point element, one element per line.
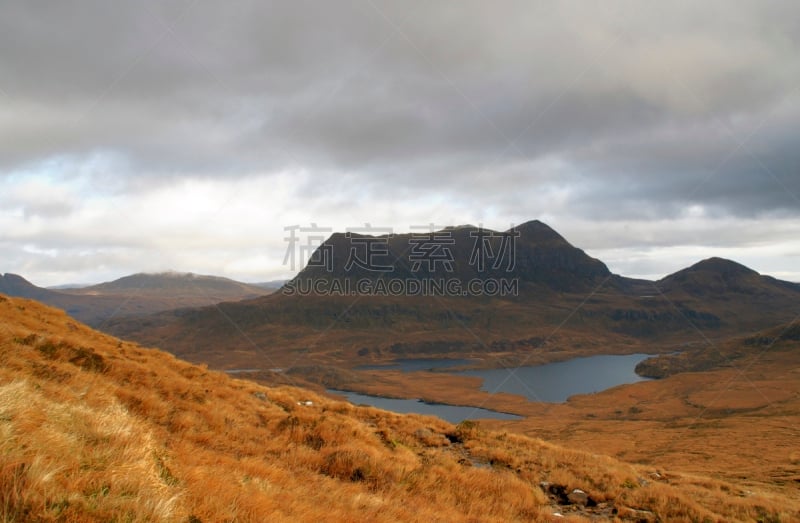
<point>146,136</point>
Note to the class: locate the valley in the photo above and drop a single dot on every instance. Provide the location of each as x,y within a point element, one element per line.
<point>703,386</point>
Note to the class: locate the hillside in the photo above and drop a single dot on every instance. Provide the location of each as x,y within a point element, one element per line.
<point>95,428</point>
<point>136,295</point>
<point>715,356</point>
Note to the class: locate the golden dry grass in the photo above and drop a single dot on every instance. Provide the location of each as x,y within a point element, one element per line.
<point>95,429</point>
<point>738,422</point>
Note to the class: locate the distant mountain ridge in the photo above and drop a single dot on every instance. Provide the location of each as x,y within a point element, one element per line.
<point>66,286</point>
<point>271,285</point>
<point>187,284</point>
<point>135,295</point>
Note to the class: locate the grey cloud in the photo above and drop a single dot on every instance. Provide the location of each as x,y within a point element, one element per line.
<point>48,210</point>
<point>748,168</point>
<point>395,96</point>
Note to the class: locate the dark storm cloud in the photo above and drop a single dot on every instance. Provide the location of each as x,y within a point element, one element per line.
<point>749,168</point>
<point>647,106</point>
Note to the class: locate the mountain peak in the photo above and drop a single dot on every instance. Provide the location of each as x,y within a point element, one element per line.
<point>537,231</point>
<point>14,281</point>
<point>718,275</point>
<point>10,276</point>
<point>468,226</point>
<point>722,266</point>
<point>16,285</point>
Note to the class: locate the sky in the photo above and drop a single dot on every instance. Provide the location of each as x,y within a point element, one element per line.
<point>143,136</point>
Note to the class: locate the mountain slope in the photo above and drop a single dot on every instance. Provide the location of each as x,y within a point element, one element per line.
<point>726,355</point>
<point>98,429</point>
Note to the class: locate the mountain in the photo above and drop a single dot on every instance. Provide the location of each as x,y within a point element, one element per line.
<point>136,295</point>
<point>718,276</point>
<point>99,429</point>
<point>563,303</point>
<point>183,286</point>
<point>84,308</point>
<point>733,292</point>
<point>65,286</point>
<point>532,253</point>
<point>16,285</point>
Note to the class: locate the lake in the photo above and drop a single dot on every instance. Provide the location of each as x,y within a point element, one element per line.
<point>451,413</point>
<point>555,382</point>
<point>551,383</point>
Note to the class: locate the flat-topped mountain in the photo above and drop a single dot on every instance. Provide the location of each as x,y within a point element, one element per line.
<point>533,253</point>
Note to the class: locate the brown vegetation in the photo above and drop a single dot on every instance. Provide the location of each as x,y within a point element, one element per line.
<point>736,419</point>
<point>98,429</point>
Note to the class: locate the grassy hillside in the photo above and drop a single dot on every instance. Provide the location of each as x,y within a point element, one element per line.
<point>96,429</point>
